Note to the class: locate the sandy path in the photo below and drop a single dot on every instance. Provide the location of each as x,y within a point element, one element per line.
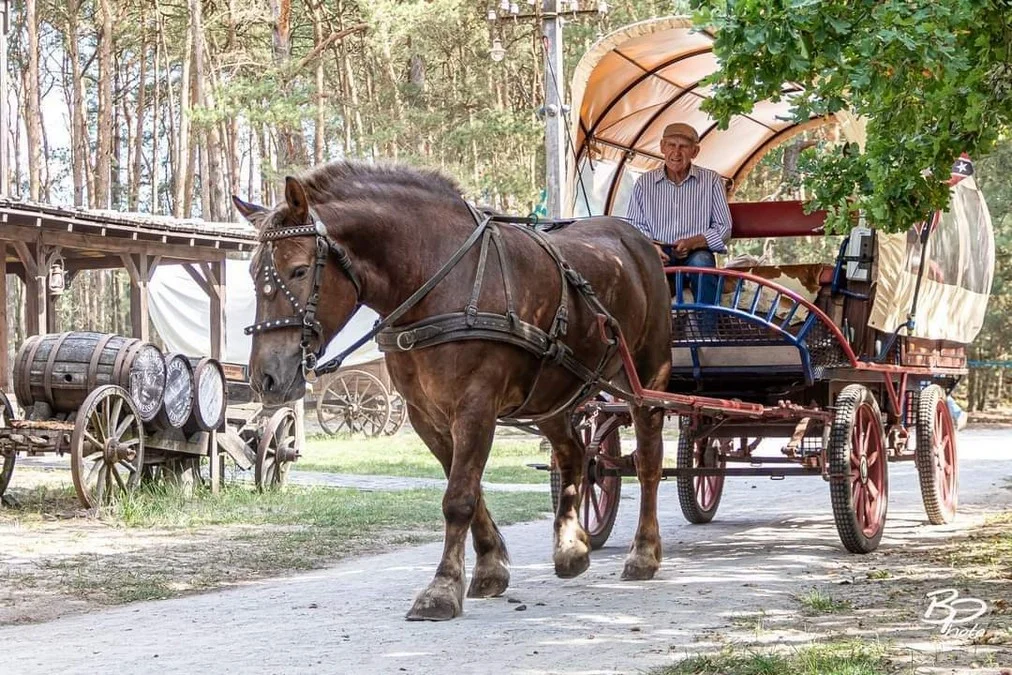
<point>770,541</point>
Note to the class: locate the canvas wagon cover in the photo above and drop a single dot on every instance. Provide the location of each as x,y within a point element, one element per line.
<point>957,276</point>
<point>180,310</point>
<point>634,82</point>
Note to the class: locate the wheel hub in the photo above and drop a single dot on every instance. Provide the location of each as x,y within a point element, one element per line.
<point>114,452</point>
<point>864,468</point>
<point>285,455</point>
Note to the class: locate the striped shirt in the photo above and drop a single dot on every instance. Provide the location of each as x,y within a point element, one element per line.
<point>667,212</point>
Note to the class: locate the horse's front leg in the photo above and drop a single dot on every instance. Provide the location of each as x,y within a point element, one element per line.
<point>472,438</point>
<point>572,543</point>
<point>491,575</point>
<point>645,554</point>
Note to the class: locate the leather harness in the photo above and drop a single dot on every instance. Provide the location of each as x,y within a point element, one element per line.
<point>467,324</point>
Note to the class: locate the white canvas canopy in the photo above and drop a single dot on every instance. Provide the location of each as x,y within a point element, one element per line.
<point>958,273</point>
<point>637,80</point>
<point>179,311</point>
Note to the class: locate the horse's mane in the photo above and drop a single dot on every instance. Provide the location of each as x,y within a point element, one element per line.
<point>339,181</point>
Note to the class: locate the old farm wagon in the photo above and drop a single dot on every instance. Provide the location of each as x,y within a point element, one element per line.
<point>120,408</point>
<point>848,361</point>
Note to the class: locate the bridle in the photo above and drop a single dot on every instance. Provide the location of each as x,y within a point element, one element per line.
<point>272,283</point>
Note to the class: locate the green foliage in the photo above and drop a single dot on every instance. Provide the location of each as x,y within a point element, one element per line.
<point>933,79</point>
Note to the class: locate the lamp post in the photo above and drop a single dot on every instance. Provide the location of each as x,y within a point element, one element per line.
<point>550,14</point>
<point>4,162</point>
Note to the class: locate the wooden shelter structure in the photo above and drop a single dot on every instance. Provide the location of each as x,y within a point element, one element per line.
<point>37,239</point>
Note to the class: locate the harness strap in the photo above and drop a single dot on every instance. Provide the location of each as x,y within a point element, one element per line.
<point>415,298</point>
<point>472,307</point>
<point>500,249</point>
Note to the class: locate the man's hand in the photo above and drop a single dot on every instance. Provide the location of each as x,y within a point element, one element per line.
<point>683,247</point>
<point>660,252</point>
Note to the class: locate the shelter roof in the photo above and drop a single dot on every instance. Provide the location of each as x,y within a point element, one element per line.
<point>102,236</point>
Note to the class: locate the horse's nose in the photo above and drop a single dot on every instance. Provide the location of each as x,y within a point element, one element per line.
<point>267,383</point>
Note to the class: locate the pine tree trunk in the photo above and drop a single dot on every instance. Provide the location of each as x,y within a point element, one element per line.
<point>291,146</point>
<point>103,159</point>
<point>33,114</point>
<point>138,151</point>
<point>182,177</point>
<point>319,139</point>
<point>116,157</point>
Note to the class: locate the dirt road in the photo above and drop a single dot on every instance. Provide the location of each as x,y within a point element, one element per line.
<point>770,542</point>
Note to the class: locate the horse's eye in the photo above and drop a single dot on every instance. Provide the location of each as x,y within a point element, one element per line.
<point>300,272</point>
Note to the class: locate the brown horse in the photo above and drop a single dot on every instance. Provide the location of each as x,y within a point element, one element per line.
<point>384,232</point>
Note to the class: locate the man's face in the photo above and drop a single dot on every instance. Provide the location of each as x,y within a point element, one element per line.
<point>678,153</point>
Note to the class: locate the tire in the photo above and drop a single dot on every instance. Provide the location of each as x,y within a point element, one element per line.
<point>699,496</point>
<point>858,468</point>
<point>8,456</point>
<point>599,495</point>
<point>936,456</point>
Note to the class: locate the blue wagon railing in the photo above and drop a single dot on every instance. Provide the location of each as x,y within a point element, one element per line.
<point>715,311</point>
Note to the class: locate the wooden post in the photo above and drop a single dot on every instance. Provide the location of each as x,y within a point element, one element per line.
<point>140,270</point>
<point>215,275</point>
<point>5,364</point>
<point>215,468</point>
<point>51,317</point>
<point>555,118</point>
<point>35,290</point>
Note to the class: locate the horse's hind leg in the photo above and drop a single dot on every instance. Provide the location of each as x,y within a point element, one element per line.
<point>491,574</point>
<point>645,554</point>
<point>572,544</point>
<point>472,432</point>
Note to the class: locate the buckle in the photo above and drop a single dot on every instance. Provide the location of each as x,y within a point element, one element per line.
<point>411,339</point>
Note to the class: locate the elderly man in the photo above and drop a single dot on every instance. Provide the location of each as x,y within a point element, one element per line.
<point>683,207</point>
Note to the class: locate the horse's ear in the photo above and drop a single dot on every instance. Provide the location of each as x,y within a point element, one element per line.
<point>295,195</point>
<point>246,209</point>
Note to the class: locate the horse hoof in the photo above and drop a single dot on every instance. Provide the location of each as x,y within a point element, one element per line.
<point>489,584</point>
<point>572,564</point>
<point>639,570</point>
<point>435,605</point>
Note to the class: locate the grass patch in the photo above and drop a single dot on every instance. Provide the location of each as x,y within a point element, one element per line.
<point>167,544</point>
<point>817,602</point>
<point>406,455</point>
<point>752,621</point>
<point>988,550</point>
<point>342,510</point>
<point>846,658</point>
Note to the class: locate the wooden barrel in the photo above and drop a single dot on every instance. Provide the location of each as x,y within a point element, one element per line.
<point>177,402</point>
<point>61,369</point>
<point>209,398</point>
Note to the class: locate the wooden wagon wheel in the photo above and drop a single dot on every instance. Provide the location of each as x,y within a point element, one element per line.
<point>354,401</point>
<point>936,456</point>
<point>699,496</point>
<point>599,494</point>
<point>8,455</point>
<point>398,414</point>
<point>858,468</point>
<point>276,451</point>
<point>107,446</point>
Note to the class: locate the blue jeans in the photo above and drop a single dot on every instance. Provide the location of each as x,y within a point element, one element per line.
<point>701,257</point>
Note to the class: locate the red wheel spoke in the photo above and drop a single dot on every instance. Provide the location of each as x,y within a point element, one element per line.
<point>873,489</point>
